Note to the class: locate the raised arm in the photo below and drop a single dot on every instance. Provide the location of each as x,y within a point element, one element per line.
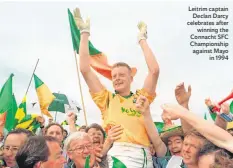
<point>142,105</point>
<point>225,108</point>
<point>182,97</point>
<point>208,129</point>
<point>152,64</point>
<point>89,76</point>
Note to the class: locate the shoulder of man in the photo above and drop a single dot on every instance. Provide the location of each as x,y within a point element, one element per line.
<point>2,162</point>
<point>70,165</point>
<point>104,162</point>
<point>161,162</point>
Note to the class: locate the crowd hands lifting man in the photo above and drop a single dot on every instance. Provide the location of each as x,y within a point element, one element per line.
<point>128,136</point>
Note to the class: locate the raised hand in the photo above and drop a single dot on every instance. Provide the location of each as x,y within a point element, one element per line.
<point>142,35</point>
<point>83,26</point>
<point>71,118</point>
<point>182,95</point>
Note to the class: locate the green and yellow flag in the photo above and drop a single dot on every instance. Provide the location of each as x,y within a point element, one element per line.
<point>45,96</point>
<point>6,99</point>
<point>10,116</point>
<point>29,122</point>
<point>98,60</point>
<point>21,111</point>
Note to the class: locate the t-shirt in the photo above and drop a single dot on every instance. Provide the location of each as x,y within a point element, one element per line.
<point>163,162</point>
<point>119,110</point>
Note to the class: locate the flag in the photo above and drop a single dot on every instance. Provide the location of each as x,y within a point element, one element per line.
<point>45,96</point>
<point>21,111</point>
<point>159,126</point>
<point>205,116</point>
<point>116,163</point>
<point>61,102</point>
<point>98,60</point>
<point>6,99</point>
<point>87,162</point>
<point>10,116</point>
<point>231,107</point>
<point>29,122</point>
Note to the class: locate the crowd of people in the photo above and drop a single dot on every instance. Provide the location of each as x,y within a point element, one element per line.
<point>128,136</point>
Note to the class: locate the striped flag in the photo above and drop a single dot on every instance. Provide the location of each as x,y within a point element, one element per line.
<point>98,60</point>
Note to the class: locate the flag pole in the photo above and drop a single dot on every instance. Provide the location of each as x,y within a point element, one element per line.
<point>56,106</point>
<point>80,88</point>
<point>32,77</point>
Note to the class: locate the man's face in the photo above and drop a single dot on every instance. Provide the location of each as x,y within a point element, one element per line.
<point>190,149</point>
<point>56,132</point>
<point>11,147</point>
<point>96,136</point>
<point>175,145</point>
<point>50,120</point>
<point>121,79</point>
<point>56,159</point>
<point>206,161</point>
<point>80,149</point>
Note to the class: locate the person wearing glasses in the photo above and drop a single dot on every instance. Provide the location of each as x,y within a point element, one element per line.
<point>79,146</point>
<point>14,140</point>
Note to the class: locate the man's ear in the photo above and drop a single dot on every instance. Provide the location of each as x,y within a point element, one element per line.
<point>69,155</point>
<point>38,165</point>
<point>131,78</point>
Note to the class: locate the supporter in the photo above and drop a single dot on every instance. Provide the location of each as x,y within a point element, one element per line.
<point>193,142</point>
<point>55,130</point>
<point>56,158</point>
<point>79,146</point>
<point>14,140</point>
<point>212,156</point>
<point>33,153</point>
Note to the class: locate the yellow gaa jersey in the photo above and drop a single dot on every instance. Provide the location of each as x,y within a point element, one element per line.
<point>119,110</point>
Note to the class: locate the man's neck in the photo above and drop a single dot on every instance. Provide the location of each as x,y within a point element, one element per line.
<point>127,93</point>
<point>78,165</point>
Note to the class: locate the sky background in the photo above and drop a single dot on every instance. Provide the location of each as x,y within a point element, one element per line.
<point>32,30</point>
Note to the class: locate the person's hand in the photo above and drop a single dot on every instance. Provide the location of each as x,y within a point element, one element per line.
<point>98,154</point>
<point>41,120</point>
<point>83,26</point>
<point>172,111</point>
<point>142,35</point>
<point>208,102</point>
<point>142,105</point>
<point>71,118</point>
<point>225,108</point>
<point>114,133</point>
<point>182,95</point>
<point>152,150</point>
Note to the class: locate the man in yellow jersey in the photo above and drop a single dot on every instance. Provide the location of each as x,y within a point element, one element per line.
<point>118,108</point>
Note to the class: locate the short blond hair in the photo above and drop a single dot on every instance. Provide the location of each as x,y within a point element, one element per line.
<point>121,64</point>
